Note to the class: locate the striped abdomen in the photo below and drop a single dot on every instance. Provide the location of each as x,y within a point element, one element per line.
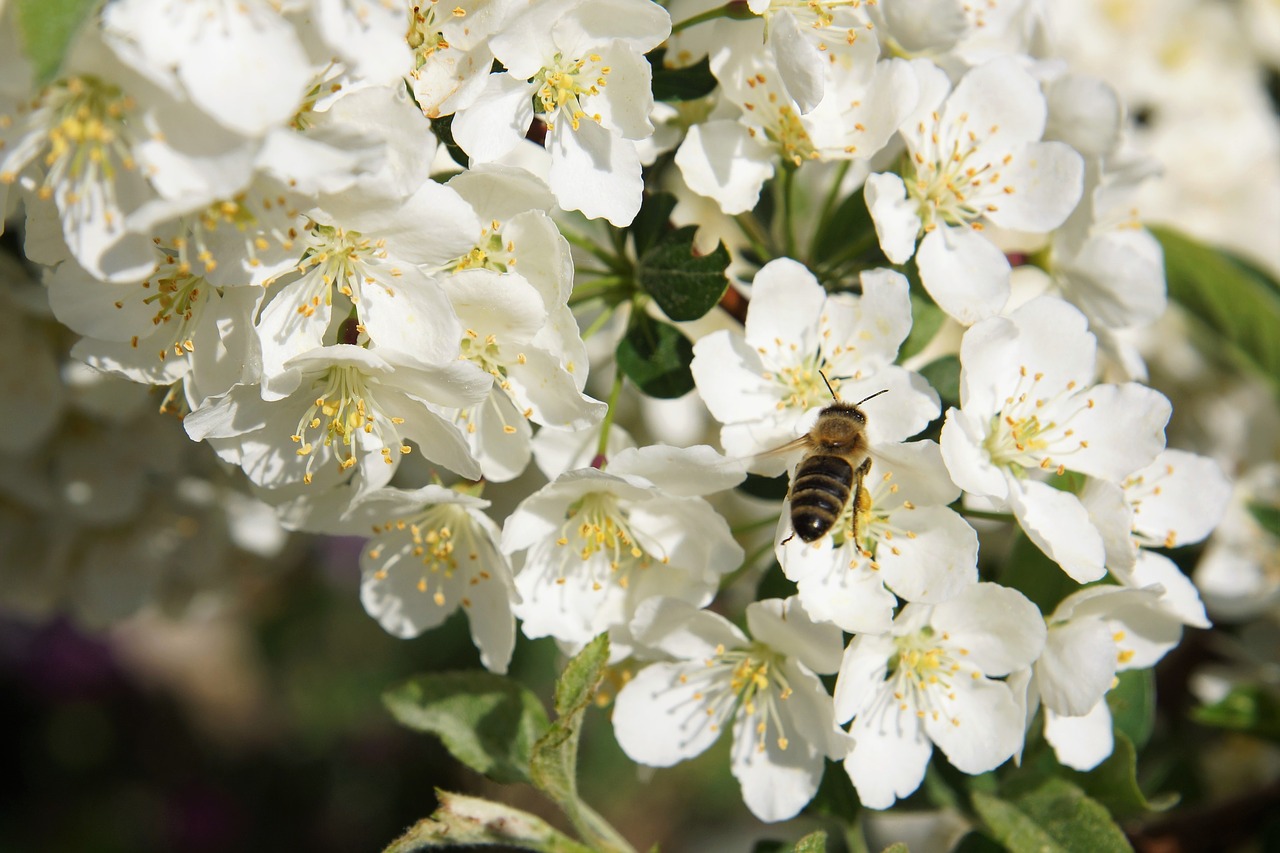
<point>819,494</point>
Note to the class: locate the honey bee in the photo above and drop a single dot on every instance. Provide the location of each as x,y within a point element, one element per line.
<point>834,465</point>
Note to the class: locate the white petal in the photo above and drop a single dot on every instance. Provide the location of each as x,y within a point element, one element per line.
<point>980,728</point>
<point>862,674</point>
<point>838,585</point>
<point>999,94</point>
<point>1179,498</point>
<point>1180,598</point>
<point>997,628</point>
<point>683,471</point>
<point>1124,428</point>
<point>497,121</point>
<point>1047,179</point>
<point>728,375</point>
<point>1077,666</point>
<point>1059,525</point>
<point>720,159</point>
<point>964,272</point>
<point>595,171</point>
<point>1081,743</point>
<point>800,65</point>
<point>786,306</point>
<point>785,627</point>
<point>967,460</point>
<point>889,754</point>
<point>935,564</point>
<point>896,219</point>
<point>659,717</point>
<point>680,629</point>
<point>1113,517</point>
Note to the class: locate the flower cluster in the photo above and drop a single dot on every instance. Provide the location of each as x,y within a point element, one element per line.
<point>339,235</point>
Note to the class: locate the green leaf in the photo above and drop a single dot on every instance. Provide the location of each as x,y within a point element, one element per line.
<point>1133,705</point>
<point>1231,298</point>
<point>1114,782</point>
<point>656,357</point>
<point>846,232</point>
<point>653,220</point>
<point>442,127</point>
<point>814,842</point>
<point>46,28</point>
<point>488,722</point>
<point>555,756</point>
<point>462,820</point>
<point>897,847</point>
<point>926,320</point>
<point>1056,817</point>
<point>765,488</point>
<point>681,84</point>
<point>944,375</point>
<point>1030,571</point>
<point>685,285</point>
<point>1267,516</point>
<point>1251,708</point>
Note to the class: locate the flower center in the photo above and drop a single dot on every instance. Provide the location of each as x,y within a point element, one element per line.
<point>84,125</point>
<point>424,36</point>
<point>756,684</point>
<point>178,300</point>
<point>596,531</point>
<point>434,541</point>
<point>781,122</point>
<point>488,252</point>
<point>562,84</point>
<point>954,177</point>
<point>923,671</point>
<point>341,410</point>
<point>1030,426</point>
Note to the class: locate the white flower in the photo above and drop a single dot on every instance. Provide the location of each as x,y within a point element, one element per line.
<point>601,542</point>
<point>240,61</point>
<point>1093,634</point>
<point>763,384</point>
<point>1239,574</point>
<point>729,160</point>
<point>766,691</point>
<point>1030,411</point>
<point>579,66</point>
<point>433,551</point>
<point>933,680</point>
<point>910,545</point>
<point>502,315</point>
<point>973,158</point>
<point>353,408</point>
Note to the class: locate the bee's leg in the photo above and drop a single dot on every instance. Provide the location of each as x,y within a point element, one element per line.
<point>861,503</point>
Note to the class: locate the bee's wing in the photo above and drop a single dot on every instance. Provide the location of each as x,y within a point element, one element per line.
<point>801,443</point>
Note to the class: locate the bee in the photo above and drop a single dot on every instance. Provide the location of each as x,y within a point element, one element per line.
<point>834,465</point>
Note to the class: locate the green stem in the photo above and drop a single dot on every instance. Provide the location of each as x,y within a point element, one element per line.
<point>864,241</point>
<point>828,204</point>
<point>598,323</point>
<point>702,18</point>
<point>786,189</point>
<point>589,246</point>
<point>597,288</point>
<point>755,234</point>
<point>603,444</point>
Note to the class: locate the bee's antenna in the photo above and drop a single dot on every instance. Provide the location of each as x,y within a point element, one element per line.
<point>834,395</point>
<point>873,396</point>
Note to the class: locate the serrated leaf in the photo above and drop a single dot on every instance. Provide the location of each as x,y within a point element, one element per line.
<point>656,357</point>
<point>814,842</point>
<point>1267,516</point>
<point>1229,297</point>
<point>554,762</point>
<point>1133,705</point>
<point>1056,817</point>
<point>681,84</point>
<point>1251,708</point>
<point>462,820</point>
<point>653,220</point>
<point>581,677</point>
<point>685,284</point>
<point>944,375</point>
<point>46,28</point>
<point>1114,782</point>
<point>488,722</point>
<point>926,320</point>
<point>1030,571</point>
